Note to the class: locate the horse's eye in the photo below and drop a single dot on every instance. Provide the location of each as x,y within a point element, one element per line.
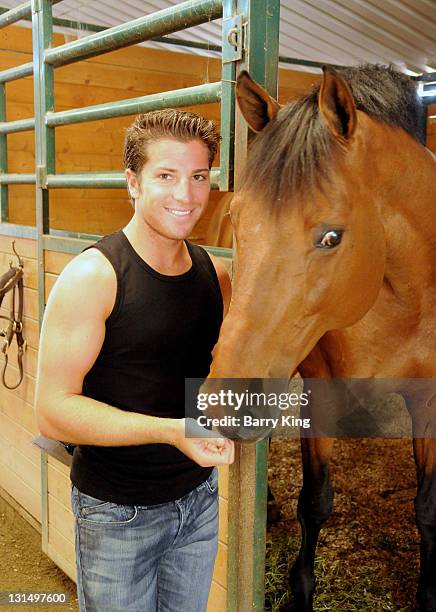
<point>330,239</point>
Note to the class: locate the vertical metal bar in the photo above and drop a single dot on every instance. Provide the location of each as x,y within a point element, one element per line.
<point>248,479</point>
<point>228,76</point>
<point>4,188</point>
<point>42,33</point>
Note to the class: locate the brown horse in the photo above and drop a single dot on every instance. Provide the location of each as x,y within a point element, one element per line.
<point>335,226</point>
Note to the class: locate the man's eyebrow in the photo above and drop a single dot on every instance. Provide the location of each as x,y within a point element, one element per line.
<point>162,168</point>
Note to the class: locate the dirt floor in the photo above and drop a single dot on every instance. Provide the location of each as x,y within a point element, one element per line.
<point>368,552</point>
<point>24,568</point>
<point>367,555</point>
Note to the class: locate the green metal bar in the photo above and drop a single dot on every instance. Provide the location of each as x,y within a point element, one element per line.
<point>42,38</point>
<point>172,40</point>
<point>96,180</point>
<point>228,77</point>
<point>248,476</point>
<point>72,243</point>
<point>21,125</point>
<point>166,21</point>
<point>4,191</point>
<point>220,252</point>
<point>262,59</point>
<point>93,27</point>
<point>103,180</point>
<point>62,241</point>
<point>12,74</point>
<point>18,231</point>
<point>78,25</point>
<point>189,96</point>
<point>260,517</point>
<point>22,11</point>
<point>17,179</point>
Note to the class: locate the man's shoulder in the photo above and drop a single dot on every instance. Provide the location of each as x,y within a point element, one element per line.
<point>88,266</point>
<point>88,276</point>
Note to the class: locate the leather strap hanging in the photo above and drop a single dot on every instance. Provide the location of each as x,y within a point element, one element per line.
<point>12,280</point>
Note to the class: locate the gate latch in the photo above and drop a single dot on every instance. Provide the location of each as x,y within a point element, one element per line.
<point>233,39</point>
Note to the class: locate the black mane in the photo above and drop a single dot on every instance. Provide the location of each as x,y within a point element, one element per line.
<point>296,148</point>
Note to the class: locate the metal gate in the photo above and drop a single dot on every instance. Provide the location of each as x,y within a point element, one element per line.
<point>250,35</point>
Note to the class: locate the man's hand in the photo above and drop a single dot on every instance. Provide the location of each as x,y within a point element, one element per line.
<point>205,448</point>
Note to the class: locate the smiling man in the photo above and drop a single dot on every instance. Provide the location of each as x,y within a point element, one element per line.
<point>128,320</point>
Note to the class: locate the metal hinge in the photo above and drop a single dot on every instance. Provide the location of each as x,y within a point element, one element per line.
<point>233,39</point>
<point>41,176</point>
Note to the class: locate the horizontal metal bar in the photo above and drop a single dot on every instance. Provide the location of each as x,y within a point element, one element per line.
<point>73,243</point>
<point>17,179</point>
<point>93,27</point>
<point>189,96</point>
<point>78,25</point>
<point>219,252</point>
<point>67,242</point>
<point>173,40</point>
<point>12,74</point>
<point>65,23</point>
<point>166,21</point>
<point>94,180</point>
<point>19,12</point>
<point>103,180</point>
<point>20,125</point>
<point>18,231</point>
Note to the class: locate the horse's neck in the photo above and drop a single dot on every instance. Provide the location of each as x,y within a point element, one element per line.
<point>408,211</point>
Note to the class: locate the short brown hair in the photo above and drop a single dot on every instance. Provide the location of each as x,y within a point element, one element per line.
<point>167,123</point>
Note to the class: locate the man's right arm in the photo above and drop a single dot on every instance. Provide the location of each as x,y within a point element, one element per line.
<point>71,338</point>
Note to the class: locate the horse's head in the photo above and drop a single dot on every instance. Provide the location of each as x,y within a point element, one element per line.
<point>310,240</point>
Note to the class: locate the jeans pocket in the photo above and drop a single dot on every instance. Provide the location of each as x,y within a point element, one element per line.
<point>96,511</point>
<point>211,484</point>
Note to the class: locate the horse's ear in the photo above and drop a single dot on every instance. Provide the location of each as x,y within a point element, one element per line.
<point>336,104</point>
<point>257,106</point>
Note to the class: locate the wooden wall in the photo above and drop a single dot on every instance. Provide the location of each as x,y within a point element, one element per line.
<point>19,459</point>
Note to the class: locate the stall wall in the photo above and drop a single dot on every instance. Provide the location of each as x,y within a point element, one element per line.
<point>20,476</point>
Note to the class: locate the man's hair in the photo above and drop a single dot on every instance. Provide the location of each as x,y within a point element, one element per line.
<point>167,123</point>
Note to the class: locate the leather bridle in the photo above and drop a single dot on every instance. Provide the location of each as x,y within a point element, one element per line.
<point>12,280</point>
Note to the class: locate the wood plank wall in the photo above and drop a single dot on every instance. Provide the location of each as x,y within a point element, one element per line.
<point>19,459</point>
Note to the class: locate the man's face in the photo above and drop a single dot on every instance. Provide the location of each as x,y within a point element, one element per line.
<point>173,187</point>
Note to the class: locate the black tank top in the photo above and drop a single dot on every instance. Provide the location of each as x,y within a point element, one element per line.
<point>162,330</point>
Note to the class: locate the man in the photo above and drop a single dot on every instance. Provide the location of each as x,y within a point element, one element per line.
<point>127,321</point>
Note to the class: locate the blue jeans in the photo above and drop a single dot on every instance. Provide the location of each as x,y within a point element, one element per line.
<point>146,558</point>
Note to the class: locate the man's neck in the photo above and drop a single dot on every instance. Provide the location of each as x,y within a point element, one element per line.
<point>165,255</point>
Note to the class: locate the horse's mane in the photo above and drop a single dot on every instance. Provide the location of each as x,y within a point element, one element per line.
<point>296,149</point>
